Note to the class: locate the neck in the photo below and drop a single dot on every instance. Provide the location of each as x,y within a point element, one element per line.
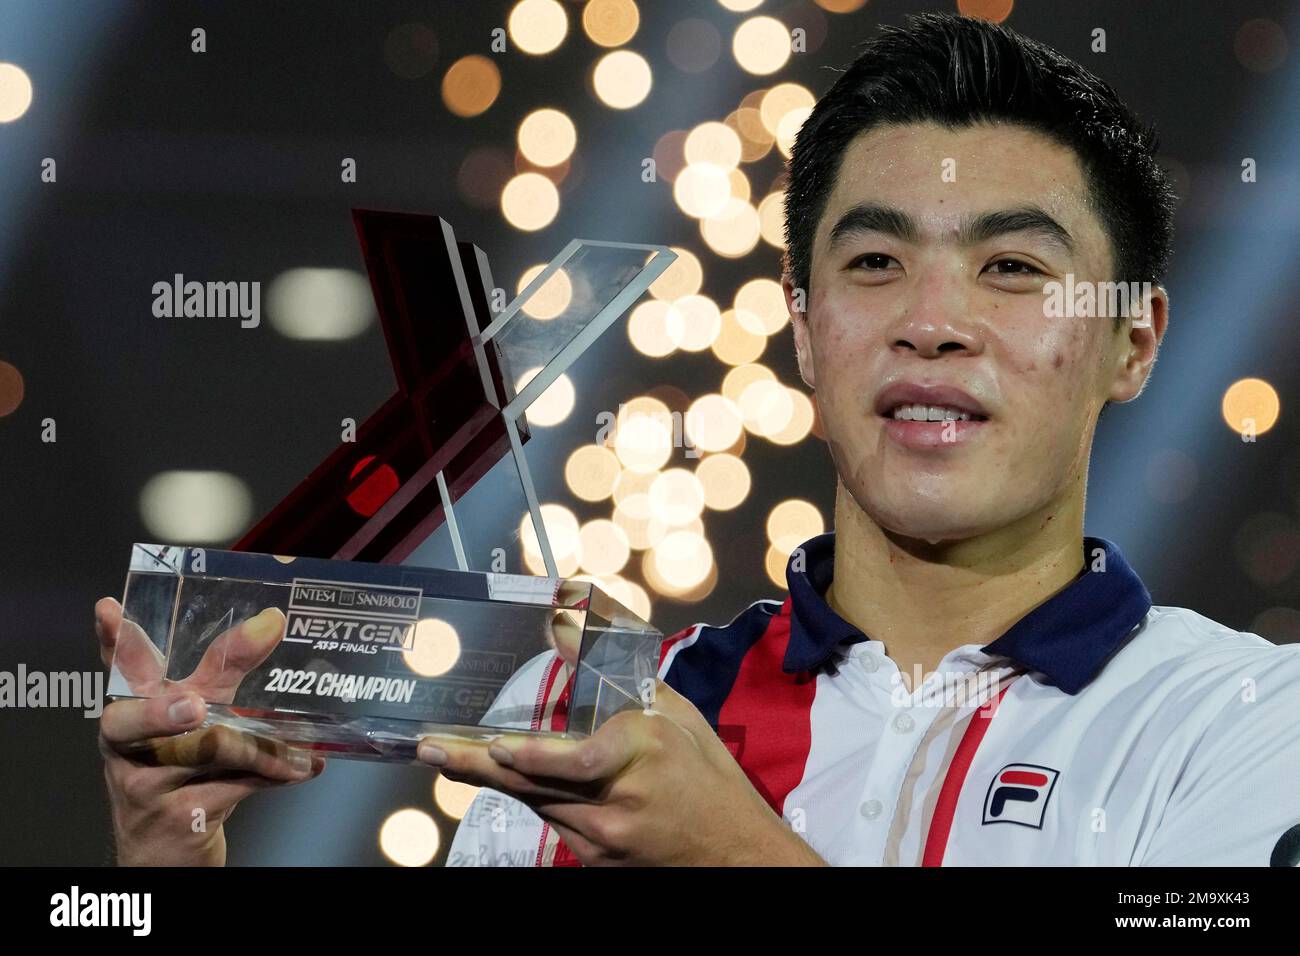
<point>923,600</point>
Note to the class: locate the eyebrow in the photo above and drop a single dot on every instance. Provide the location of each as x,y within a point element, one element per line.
<point>873,217</point>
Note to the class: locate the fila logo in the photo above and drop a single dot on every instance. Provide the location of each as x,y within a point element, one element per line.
<point>1019,794</point>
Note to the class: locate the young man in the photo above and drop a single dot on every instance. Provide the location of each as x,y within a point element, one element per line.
<point>947,181</point>
<point>949,178</point>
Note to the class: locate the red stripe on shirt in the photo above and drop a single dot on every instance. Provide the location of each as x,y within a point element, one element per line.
<point>772,711</point>
<point>936,843</point>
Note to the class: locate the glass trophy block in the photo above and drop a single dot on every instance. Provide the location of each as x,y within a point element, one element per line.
<point>360,660</point>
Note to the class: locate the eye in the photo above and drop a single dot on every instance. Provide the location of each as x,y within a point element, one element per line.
<point>1017,268</point>
<point>873,261</point>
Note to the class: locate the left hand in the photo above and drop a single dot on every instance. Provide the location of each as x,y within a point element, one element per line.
<point>654,787</point>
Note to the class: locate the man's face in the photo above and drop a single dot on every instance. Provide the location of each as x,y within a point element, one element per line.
<point>937,281</point>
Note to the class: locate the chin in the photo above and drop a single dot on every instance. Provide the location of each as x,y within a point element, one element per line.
<point>931,521</point>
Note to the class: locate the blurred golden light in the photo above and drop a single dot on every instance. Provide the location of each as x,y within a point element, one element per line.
<point>789,129</point>
<point>736,344</point>
<point>714,143</point>
<point>670,155</point>
<point>646,405</point>
<point>739,184</point>
<point>741,377</point>
<point>725,480</point>
<point>453,797</point>
<point>694,322</point>
<point>771,219</point>
<point>537,26</point>
<point>741,6</point>
<point>634,517</point>
<point>702,189</point>
<point>409,837</point>
<point>547,137</point>
<point>840,6</point>
<point>320,304</point>
<point>683,277</point>
<point>755,141</point>
<point>11,388</point>
<point>435,648</point>
<point>763,300</point>
<point>649,328</point>
<point>561,530</point>
<point>471,85</point>
<point>622,79</point>
<point>1251,400</point>
<point>713,422</point>
<point>676,497</point>
<point>800,422</point>
<point>995,11</point>
<point>197,507</point>
<point>605,547</point>
<point>611,22</point>
<point>530,201</point>
<point>551,299</point>
<point>775,563</point>
<point>643,443</point>
<point>629,594</point>
<point>793,522</point>
<point>780,100</point>
<point>682,559</point>
<point>733,232</point>
<point>553,405</point>
<point>15,92</point>
<point>761,45</point>
<point>591,471</point>
<point>766,408</point>
<point>631,483</point>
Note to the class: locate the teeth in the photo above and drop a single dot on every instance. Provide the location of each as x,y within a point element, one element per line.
<point>929,413</point>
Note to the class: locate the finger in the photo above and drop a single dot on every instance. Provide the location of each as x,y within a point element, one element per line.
<point>219,792</point>
<point>468,761</point>
<point>127,722</point>
<point>566,634</point>
<point>124,644</point>
<point>220,747</point>
<point>582,760</point>
<point>236,652</point>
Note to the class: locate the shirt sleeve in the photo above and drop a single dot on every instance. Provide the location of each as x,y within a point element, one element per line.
<point>1237,800</point>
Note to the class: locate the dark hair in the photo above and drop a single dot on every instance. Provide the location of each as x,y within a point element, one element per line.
<point>958,71</point>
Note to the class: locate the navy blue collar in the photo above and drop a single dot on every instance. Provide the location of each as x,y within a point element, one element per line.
<point>1068,638</point>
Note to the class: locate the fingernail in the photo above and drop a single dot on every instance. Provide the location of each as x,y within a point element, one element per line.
<point>501,755</point>
<point>265,625</point>
<point>182,712</point>
<point>299,761</point>
<point>428,753</point>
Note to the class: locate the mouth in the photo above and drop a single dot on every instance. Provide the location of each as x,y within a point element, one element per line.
<point>928,417</point>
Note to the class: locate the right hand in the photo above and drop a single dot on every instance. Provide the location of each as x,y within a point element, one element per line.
<point>160,769</point>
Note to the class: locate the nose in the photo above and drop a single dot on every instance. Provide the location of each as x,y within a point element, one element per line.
<point>937,322</point>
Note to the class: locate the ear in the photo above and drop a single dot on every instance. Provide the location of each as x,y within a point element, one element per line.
<point>796,303</point>
<point>1137,355</point>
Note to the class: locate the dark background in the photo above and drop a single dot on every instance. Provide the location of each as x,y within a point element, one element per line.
<point>226,165</point>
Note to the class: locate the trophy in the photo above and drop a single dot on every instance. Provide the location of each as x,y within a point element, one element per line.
<point>341,648</point>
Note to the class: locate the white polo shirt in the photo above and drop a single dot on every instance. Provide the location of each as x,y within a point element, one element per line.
<point>1099,730</point>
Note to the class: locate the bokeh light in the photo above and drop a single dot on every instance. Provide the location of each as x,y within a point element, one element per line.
<point>761,45</point>
<point>196,507</point>
<point>537,27</point>
<point>453,797</point>
<point>320,304</point>
<point>590,472</point>
<point>435,647</point>
<point>793,522</point>
<point>547,137</point>
<point>622,79</point>
<point>725,479</point>
<point>11,388</point>
<point>551,299</point>
<point>409,837</point>
<point>15,92</point>
<point>1251,402</point>
<point>553,405</point>
<point>471,85</point>
<point>530,201</point>
<point>610,22</point>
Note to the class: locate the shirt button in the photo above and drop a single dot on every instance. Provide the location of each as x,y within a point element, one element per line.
<point>871,809</point>
<point>869,662</point>
<point>903,723</point>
